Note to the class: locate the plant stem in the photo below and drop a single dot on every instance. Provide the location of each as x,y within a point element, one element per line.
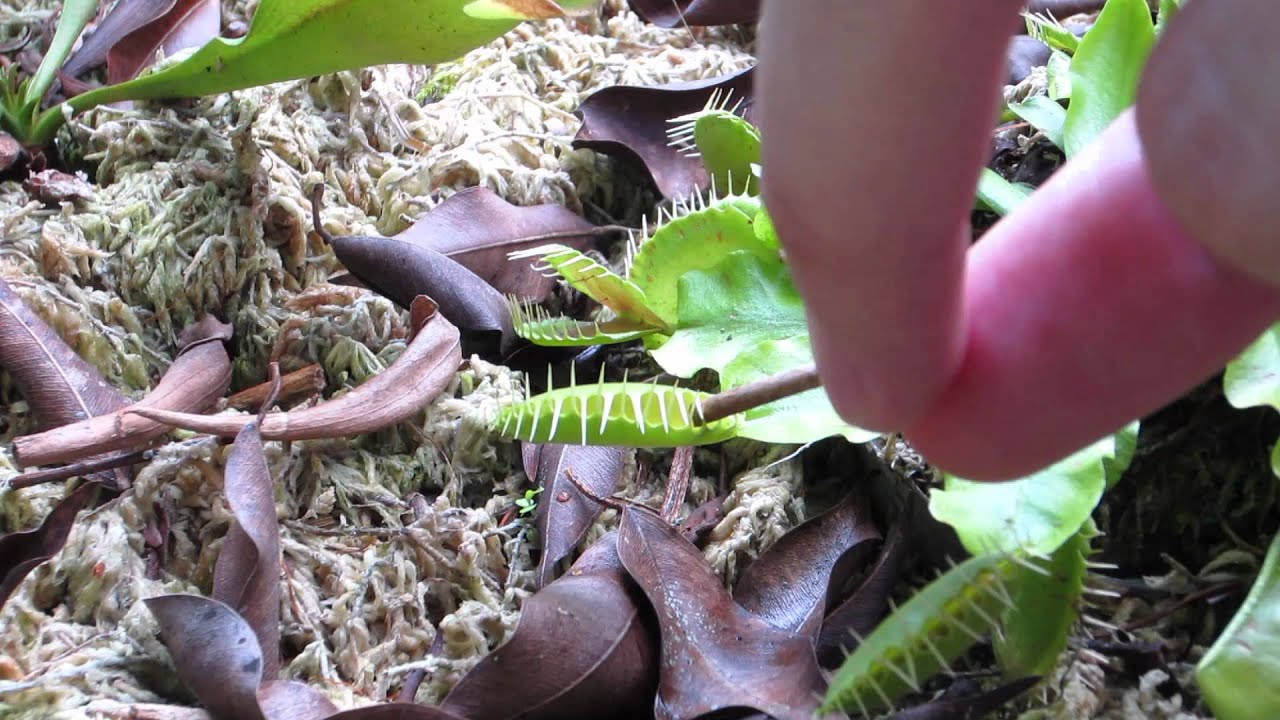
<point>76,14</point>
<point>761,392</point>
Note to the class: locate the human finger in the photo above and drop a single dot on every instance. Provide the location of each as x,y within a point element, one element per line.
<point>876,118</point>
<point>1088,308</point>
<point>1209,116</point>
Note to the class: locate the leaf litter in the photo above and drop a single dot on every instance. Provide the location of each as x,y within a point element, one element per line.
<point>203,208</point>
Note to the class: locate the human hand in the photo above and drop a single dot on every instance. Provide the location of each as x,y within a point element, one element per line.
<point>1141,268</point>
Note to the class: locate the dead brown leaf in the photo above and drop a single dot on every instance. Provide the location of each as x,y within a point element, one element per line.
<point>425,369</point>
<point>631,122</point>
<point>199,375</point>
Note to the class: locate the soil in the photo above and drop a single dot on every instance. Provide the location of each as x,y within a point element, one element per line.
<point>394,537</point>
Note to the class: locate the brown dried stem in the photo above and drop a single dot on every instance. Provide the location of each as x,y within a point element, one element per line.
<point>761,392</point>
<point>299,383</point>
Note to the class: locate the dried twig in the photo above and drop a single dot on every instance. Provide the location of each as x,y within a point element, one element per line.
<point>761,392</point>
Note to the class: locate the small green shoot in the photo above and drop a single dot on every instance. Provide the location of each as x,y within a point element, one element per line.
<point>529,502</point>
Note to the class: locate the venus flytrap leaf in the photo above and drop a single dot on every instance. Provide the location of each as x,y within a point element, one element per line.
<point>1253,379</point>
<point>1238,675</point>
<point>1051,33</point>
<point>1034,514</point>
<point>532,323</point>
<point>1045,606</point>
<point>999,195</point>
<point>295,39</point>
<point>728,145</point>
<point>696,241</point>
<point>598,283</point>
<point>1105,70</point>
<point>623,414</point>
<point>922,637</point>
<point>1043,114</point>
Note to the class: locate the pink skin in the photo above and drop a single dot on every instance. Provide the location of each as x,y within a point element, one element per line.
<point>1089,307</point>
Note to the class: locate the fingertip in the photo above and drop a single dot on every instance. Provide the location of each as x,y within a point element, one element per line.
<point>1088,308</point>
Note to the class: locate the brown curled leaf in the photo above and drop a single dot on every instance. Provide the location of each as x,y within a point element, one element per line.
<point>123,18</point>
<point>187,24</point>
<point>425,369</point>
<point>22,552</point>
<point>792,583</point>
<point>215,652</point>
<point>396,711</point>
<point>290,700</point>
<point>199,375</point>
<point>477,228</point>
<point>219,660</point>
<point>247,574</point>
<point>857,615</point>
<point>401,271</point>
<point>564,513</point>
<point>697,13</point>
<point>58,384</point>
<point>582,644</point>
<point>631,123</point>
<point>715,655</point>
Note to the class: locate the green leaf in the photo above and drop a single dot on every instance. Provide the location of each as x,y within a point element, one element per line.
<point>999,195</point>
<point>1238,674</point>
<point>1051,33</point>
<point>1106,69</point>
<point>598,283</point>
<point>1035,514</point>
<point>1253,377</point>
<point>729,146</point>
<point>293,39</point>
<point>1044,115</point>
<point>76,14</point>
<point>729,309</point>
<point>797,419</point>
<point>1058,76</point>
<point>533,324</point>
<point>1045,607</point>
<point>696,241</point>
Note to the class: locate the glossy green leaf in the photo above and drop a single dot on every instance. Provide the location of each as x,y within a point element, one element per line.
<point>730,309</point>
<point>532,323</point>
<point>999,195</point>
<point>294,39</point>
<point>1044,115</point>
<point>1105,70</point>
<point>1035,514</point>
<point>797,419</point>
<point>1240,675</point>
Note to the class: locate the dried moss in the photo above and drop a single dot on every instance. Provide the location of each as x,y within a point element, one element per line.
<point>201,206</point>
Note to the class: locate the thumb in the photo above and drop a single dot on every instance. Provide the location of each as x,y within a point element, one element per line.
<point>1208,114</point>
